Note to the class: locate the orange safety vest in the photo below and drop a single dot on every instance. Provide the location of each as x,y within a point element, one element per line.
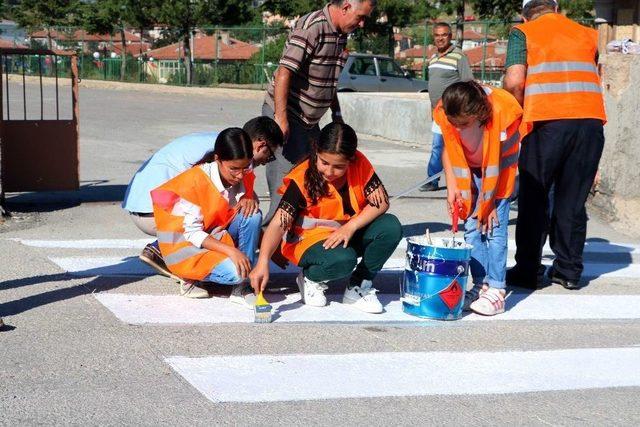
<point>182,257</point>
<point>499,158</point>
<point>317,221</point>
<point>562,77</point>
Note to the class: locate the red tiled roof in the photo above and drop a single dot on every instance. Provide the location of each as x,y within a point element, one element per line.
<point>82,35</point>
<point>476,36</point>
<point>131,48</point>
<point>416,52</point>
<point>4,43</point>
<point>205,48</point>
<point>495,54</point>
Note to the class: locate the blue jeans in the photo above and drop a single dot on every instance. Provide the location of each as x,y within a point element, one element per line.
<point>246,233</point>
<point>489,254</point>
<point>435,161</point>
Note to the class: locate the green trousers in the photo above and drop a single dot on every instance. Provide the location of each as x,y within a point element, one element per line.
<point>375,243</point>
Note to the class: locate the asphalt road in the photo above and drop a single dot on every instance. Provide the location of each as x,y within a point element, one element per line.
<point>92,338</point>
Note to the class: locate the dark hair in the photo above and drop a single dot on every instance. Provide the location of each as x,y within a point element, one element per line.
<point>442,24</point>
<point>335,138</point>
<point>231,144</point>
<point>266,129</point>
<point>467,99</point>
<point>537,7</point>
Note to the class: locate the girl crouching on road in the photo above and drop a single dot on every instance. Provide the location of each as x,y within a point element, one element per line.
<point>332,212</point>
<point>481,138</point>
<point>208,219</point>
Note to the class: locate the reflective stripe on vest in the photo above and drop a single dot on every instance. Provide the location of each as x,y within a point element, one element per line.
<point>170,237</point>
<point>466,194</point>
<point>562,66</point>
<point>511,160</point>
<point>183,254</point>
<point>175,238</point>
<point>488,195</point>
<point>491,171</point>
<point>554,88</point>
<point>510,142</point>
<point>461,172</point>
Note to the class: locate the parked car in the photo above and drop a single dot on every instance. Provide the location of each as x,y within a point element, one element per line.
<point>377,73</point>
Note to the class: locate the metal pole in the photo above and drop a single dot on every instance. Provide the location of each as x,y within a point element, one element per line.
<point>41,92</point>
<point>262,55</point>
<point>424,51</point>
<point>484,50</point>
<point>6,71</point>
<point>24,89</point>
<point>55,68</point>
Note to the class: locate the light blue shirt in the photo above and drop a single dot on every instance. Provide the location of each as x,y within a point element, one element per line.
<point>170,161</point>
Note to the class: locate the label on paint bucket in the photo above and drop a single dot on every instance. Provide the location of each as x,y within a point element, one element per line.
<point>411,299</point>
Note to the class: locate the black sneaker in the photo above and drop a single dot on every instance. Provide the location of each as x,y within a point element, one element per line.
<point>556,278</point>
<point>152,257</point>
<point>430,186</point>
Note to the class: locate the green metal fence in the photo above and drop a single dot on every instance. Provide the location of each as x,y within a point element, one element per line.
<point>247,57</point>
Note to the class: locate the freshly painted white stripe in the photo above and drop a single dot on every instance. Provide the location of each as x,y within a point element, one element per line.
<point>174,309</point>
<point>590,247</point>
<point>131,266</point>
<point>87,244</point>
<point>273,378</point>
<point>103,266</point>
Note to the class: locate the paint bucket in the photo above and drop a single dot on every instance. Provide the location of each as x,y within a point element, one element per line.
<point>435,278</point>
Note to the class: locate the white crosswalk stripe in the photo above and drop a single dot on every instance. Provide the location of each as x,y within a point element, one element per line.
<point>271,378</point>
<point>173,309</point>
<point>251,378</point>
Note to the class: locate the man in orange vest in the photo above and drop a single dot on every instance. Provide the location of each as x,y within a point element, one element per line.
<point>552,71</point>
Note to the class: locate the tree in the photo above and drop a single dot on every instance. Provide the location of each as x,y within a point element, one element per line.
<point>47,14</point>
<point>578,9</point>
<point>185,15</point>
<point>292,8</point>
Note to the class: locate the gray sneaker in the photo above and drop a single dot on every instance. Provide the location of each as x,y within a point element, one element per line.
<point>193,289</point>
<point>243,294</point>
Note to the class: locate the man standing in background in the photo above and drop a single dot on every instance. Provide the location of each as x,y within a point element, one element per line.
<point>446,67</point>
<point>305,83</point>
<point>552,71</point>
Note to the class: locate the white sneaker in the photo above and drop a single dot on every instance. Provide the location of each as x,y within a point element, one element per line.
<point>243,294</point>
<point>490,302</point>
<point>312,293</point>
<point>193,289</point>
<point>363,298</point>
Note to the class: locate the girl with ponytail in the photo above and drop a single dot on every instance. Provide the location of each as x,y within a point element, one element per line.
<point>333,211</point>
<point>208,219</point>
<point>480,126</point>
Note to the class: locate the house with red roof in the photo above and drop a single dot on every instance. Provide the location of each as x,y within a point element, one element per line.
<point>207,49</point>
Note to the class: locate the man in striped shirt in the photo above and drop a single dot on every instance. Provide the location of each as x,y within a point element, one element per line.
<point>304,85</point>
<point>446,67</point>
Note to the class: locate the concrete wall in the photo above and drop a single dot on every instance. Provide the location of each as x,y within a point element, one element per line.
<point>620,164</point>
<point>397,116</point>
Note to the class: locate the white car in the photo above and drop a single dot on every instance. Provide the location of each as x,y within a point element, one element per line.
<point>377,73</point>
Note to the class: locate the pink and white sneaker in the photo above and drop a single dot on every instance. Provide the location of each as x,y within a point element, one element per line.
<point>490,301</point>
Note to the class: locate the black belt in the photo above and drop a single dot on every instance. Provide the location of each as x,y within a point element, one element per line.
<point>142,214</point>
